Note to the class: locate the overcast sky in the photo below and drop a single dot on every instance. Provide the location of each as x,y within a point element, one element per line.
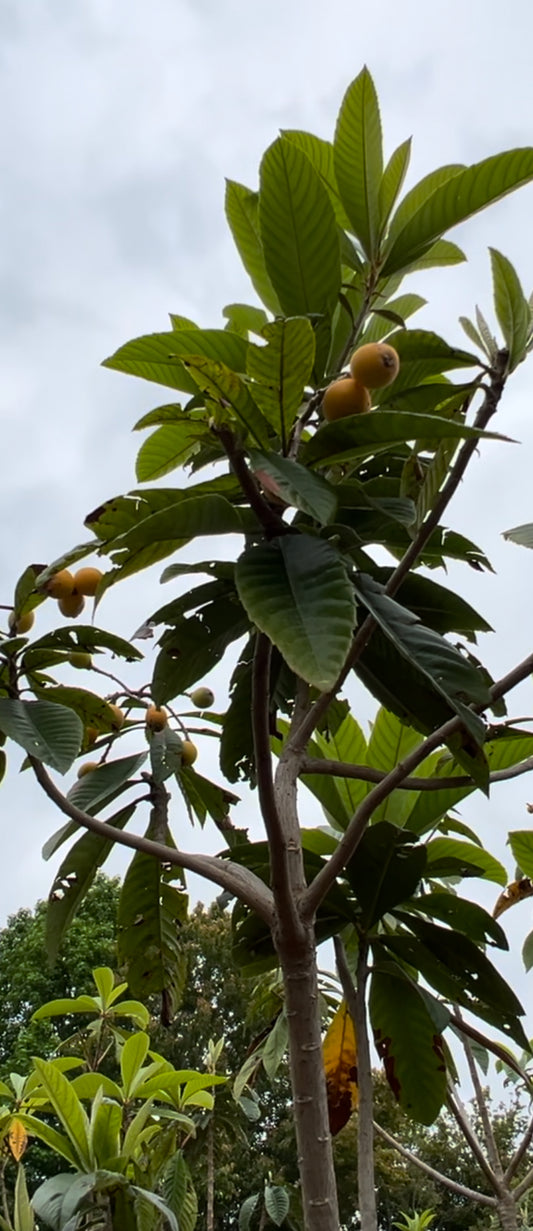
<point>120,122</point>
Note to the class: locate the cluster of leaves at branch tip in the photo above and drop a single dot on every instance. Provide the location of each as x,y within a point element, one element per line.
<point>327,240</point>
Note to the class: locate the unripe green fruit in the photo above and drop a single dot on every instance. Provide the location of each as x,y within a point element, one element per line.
<point>202,698</point>
<point>189,752</point>
<point>80,659</point>
<point>87,768</point>
<point>20,624</point>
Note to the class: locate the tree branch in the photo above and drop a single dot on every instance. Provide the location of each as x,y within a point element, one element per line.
<point>490,1140</point>
<point>497,1050</point>
<point>488,407</point>
<point>277,838</point>
<point>355,998</point>
<point>356,828</point>
<point>366,773</point>
<point>238,881</point>
<point>519,1154</point>
<point>453,1185</point>
<point>273,525</point>
<point>460,1115</point>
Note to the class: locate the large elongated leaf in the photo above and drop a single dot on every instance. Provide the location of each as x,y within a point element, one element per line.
<point>298,231</point>
<point>339,1053</point>
<point>320,154</point>
<point>390,741</point>
<point>392,180</point>
<point>512,308</point>
<point>462,916</point>
<point>68,1109</point>
<point>294,483</point>
<point>52,733</point>
<point>169,447</point>
<point>276,1203</point>
<point>199,515</point>
<point>458,198</point>
<point>281,370</point>
<point>521,843</point>
<point>157,356</point>
<point>358,158</point>
<point>86,637</point>
<point>150,912</point>
<point>242,213</point>
<point>408,1043</point>
<point>386,869</point>
<point>75,877</point>
<point>441,851</point>
<point>219,382</point>
<point>341,741</point>
<point>295,590</point>
<point>441,609</point>
<point>448,671</point>
<point>510,748</point>
<point>361,435</point>
<point>461,972</point>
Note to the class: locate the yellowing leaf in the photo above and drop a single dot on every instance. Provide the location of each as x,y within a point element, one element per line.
<point>18,1139</point>
<point>517,891</point>
<point>339,1051</point>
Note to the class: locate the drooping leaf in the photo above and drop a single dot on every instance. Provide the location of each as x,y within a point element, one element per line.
<point>386,869</point>
<point>242,213</point>
<point>68,1109</point>
<point>236,742</point>
<point>296,485</point>
<point>86,637</point>
<point>523,535</point>
<point>244,318</point>
<point>277,1203</point>
<point>408,1043</point>
<point>194,645</point>
<point>521,843</point>
<point>339,1053</point>
<point>169,447</point>
<point>217,381</point>
<point>462,916</point>
<point>75,877</point>
<point>52,733</point>
<point>441,609</point>
<point>149,916</point>
<point>295,589</point>
<point>358,158</point>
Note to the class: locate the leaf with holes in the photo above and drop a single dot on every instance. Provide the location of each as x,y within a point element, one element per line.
<point>51,733</point>
<point>149,917</point>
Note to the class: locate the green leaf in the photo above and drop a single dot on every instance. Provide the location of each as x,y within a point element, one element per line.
<point>441,609</point>
<point>296,485</point>
<point>462,916</point>
<point>92,710</point>
<point>276,1044</point>
<point>523,535</point>
<point>217,381</point>
<point>521,843</point>
<point>299,232</point>
<point>391,741</point>
<point>418,195</point>
<point>74,878</point>
<point>320,154</point>
<point>157,356</point>
<point>408,1044</point>
<point>340,742</point>
<point>392,313</point>
<point>502,752</point>
<point>149,916</point>
<point>178,1191</point>
<point>392,180</point>
<point>295,589</point>
<point>440,850</point>
<point>361,435</point>
<point>359,160</point>
<point>68,1109</point>
<point>86,637</point>
<point>457,969</point>
<point>132,1057</point>
<point>459,197</point>
<point>441,253</point>
<point>243,319</point>
<point>206,798</point>
<point>169,447</point>
<point>237,758</point>
<point>242,213</point>
<point>281,370</point>
<point>49,732</point>
<point>276,1203</point>
<point>386,870</point>
<point>99,787</point>
<point>172,527</point>
<point>527,952</point>
<point>451,674</point>
<point>23,1213</point>
<point>512,309</point>
<point>194,646</point>
<point>64,1005</point>
<point>246,1211</point>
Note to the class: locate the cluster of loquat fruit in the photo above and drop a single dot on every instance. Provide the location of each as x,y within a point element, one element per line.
<point>373,366</point>
<point>155,719</point>
<point>70,590</point>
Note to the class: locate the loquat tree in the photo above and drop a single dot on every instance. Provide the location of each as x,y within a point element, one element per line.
<point>313,466</point>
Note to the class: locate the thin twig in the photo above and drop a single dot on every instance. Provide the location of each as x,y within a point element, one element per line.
<point>273,525</point>
<point>239,881</point>
<point>462,1191</point>
<point>461,1116</point>
<point>277,839</point>
<point>490,1140</point>
<point>520,1152</point>
<point>355,998</point>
